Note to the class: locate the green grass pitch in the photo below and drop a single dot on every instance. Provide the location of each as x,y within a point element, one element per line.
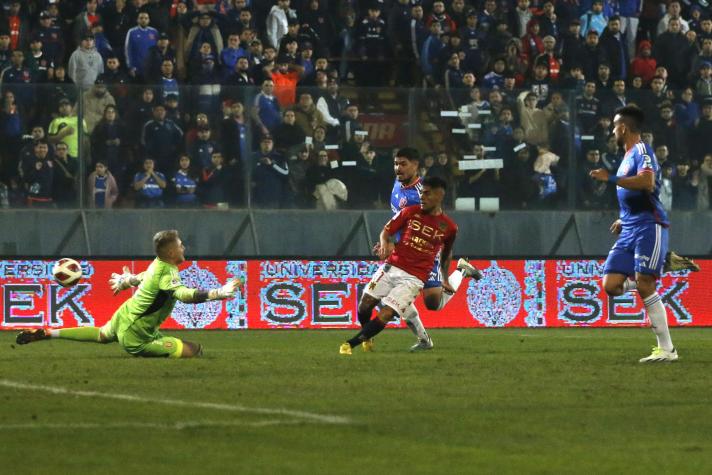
<point>483,401</point>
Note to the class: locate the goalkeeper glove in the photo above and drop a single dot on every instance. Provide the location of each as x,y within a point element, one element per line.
<point>227,291</point>
<point>119,282</point>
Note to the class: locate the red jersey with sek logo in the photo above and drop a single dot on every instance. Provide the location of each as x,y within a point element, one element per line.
<point>422,238</point>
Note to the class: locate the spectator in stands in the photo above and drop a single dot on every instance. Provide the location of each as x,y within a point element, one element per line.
<point>540,84</point>
<point>687,111</point>
<point>684,187</point>
<point>149,185</point>
<point>215,182</point>
<point>84,21</point>
<point>518,179</point>
<point>673,12</point>
<point>201,152</point>
<point>85,64</point>
<point>117,19</point>
<point>704,56</point>
<point>205,30</point>
<point>17,78</point>
<point>11,128</point>
<point>297,177</point>
<point>17,25</point>
<point>230,54</point>
<point>5,49</point>
<point>644,64</point>
<point>519,18</point>
<point>616,51</point>
<point>161,138</point>
<point>185,183</point>
<point>288,136</point>
<point>108,143</point>
<point>671,51</point>
<point>41,67</point>
<point>704,187</point>
<point>285,77</point>
<point>588,108</point>
<point>239,80</point>
<point>702,134</point>
<point>270,177</point>
<point>532,45</point>
<point>156,56</point>
<point>306,114</point>
<point>651,99</point>
<point>703,85</point>
<point>592,194</point>
<point>102,190</point>
<point>533,120</point>
<point>234,135</point>
<point>139,41</point>
<point>96,100</point>
<point>114,75</point>
<point>64,181</point>
<point>548,22</point>
<point>430,53</point>
<point>266,110</point>
<point>594,19</point>
<point>65,128</point>
<point>278,21</point>
<point>319,140</point>
<point>39,177</point>
<point>372,48</point>
<point>616,99</point>
<point>51,36</point>
<point>332,105</point>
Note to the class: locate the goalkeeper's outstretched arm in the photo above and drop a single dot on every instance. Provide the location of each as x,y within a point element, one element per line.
<point>188,295</point>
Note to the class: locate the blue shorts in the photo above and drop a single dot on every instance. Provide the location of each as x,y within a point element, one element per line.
<point>639,248</point>
<point>434,279</point>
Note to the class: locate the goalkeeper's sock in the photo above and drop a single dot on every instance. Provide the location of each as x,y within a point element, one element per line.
<point>455,280</point>
<point>372,328</point>
<point>77,334</point>
<point>658,320</point>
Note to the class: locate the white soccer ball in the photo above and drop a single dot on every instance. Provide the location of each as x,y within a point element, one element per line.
<point>67,272</point>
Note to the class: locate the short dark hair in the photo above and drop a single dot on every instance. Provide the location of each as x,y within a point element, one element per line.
<point>434,182</point>
<point>163,239</point>
<point>409,153</point>
<point>633,115</point>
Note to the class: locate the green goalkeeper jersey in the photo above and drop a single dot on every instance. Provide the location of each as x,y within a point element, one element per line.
<point>155,298</point>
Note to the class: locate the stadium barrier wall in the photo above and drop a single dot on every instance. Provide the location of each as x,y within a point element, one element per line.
<point>302,234</point>
<point>325,293</point>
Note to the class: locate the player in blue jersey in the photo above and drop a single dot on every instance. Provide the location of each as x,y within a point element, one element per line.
<point>642,228</point>
<point>436,293</point>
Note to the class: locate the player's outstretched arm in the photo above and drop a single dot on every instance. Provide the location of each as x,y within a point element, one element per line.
<point>188,295</point>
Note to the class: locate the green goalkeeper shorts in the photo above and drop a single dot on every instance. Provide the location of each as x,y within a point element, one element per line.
<point>139,338</point>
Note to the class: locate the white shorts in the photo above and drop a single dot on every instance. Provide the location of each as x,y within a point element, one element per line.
<point>394,287</point>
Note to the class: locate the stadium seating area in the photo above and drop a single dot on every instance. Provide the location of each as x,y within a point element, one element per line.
<point>302,103</point>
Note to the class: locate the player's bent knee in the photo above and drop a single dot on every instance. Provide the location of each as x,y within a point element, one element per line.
<point>432,297</point>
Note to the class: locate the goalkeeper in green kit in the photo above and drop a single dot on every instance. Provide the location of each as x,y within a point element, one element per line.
<point>136,323</point>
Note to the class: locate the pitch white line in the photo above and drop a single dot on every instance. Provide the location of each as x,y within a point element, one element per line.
<point>148,425</point>
<point>324,418</point>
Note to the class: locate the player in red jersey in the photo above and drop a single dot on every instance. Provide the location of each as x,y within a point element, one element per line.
<point>425,231</point>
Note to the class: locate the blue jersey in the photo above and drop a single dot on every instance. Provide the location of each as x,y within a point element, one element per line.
<point>640,207</point>
<point>403,196</point>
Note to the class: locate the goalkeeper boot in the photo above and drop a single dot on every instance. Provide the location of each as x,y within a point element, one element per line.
<point>660,356</point>
<point>468,270</point>
<point>30,335</point>
<point>367,345</point>
<point>345,349</point>
<point>423,345</point>
<point>675,263</point>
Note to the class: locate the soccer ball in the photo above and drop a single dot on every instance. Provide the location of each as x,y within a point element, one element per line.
<point>67,272</point>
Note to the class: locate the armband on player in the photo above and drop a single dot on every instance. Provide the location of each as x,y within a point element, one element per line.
<point>613,179</point>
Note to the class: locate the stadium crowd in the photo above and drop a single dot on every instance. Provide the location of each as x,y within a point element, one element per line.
<point>203,102</point>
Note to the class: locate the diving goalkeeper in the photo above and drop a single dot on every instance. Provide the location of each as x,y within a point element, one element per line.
<point>136,323</point>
